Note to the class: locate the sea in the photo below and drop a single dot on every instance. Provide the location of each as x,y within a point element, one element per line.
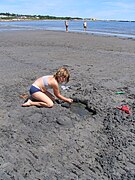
<point>106,28</point>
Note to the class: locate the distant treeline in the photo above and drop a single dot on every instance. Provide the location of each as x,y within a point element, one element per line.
<point>12,16</point>
<point>41,17</point>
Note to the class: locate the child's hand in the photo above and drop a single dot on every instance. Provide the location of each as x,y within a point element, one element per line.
<point>69,100</point>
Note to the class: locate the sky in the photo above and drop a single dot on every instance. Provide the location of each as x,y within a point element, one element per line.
<point>98,9</point>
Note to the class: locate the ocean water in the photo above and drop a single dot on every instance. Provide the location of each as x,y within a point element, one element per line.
<point>110,28</point>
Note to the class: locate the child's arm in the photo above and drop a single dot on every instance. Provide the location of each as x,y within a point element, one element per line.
<point>58,94</point>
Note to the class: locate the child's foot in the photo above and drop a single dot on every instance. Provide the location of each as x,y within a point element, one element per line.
<point>27,104</point>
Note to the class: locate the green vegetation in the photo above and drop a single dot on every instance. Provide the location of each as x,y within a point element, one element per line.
<point>9,16</point>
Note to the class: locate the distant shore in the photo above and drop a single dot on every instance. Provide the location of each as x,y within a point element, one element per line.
<point>36,19</point>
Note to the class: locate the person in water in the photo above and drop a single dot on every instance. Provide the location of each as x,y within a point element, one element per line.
<point>39,89</point>
<point>66,25</point>
<point>85,25</point>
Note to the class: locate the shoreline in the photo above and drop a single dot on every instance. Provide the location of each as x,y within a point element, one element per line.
<point>117,35</point>
<point>117,32</point>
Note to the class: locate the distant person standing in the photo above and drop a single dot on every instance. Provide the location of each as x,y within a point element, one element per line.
<point>85,25</point>
<point>66,25</point>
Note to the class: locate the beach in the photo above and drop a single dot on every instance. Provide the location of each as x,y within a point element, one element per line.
<point>63,142</point>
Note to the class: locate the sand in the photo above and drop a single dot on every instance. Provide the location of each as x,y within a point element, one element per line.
<point>62,143</point>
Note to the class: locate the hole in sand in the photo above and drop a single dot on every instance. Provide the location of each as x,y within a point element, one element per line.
<point>79,108</point>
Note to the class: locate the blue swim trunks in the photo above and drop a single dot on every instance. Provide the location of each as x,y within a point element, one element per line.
<point>34,89</point>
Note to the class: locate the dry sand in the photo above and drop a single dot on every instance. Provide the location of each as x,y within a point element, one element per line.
<point>58,143</point>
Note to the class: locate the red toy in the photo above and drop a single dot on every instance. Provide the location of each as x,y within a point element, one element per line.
<point>125,109</point>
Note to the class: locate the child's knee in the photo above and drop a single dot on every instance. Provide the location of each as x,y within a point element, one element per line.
<point>50,105</point>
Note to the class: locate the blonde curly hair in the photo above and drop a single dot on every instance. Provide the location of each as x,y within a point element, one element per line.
<point>62,72</point>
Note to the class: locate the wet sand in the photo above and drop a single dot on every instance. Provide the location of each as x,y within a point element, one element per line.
<point>59,143</point>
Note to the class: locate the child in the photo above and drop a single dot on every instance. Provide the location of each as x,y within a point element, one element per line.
<point>66,24</point>
<point>39,89</point>
<point>85,25</point>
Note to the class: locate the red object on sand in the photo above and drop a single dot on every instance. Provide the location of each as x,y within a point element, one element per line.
<point>125,109</point>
